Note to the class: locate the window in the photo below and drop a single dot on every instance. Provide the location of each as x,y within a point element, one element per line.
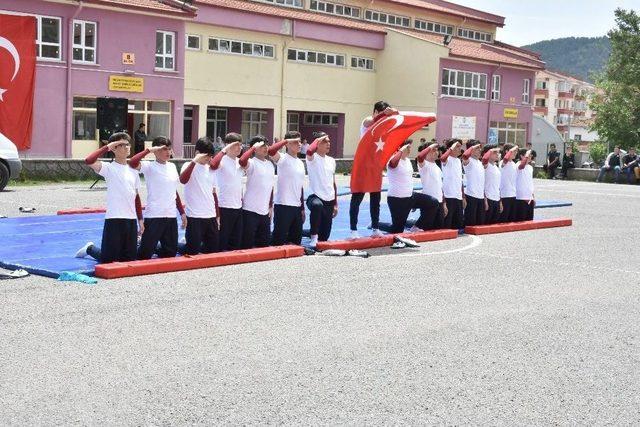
<point>188,124</point>
<point>290,3</point>
<point>84,42</point>
<point>165,44</point>
<point>474,35</point>
<point>464,84</point>
<point>311,57</point>
<point>509,132</point>
<point>321,119</point>
<point>253,123</point>
<point>193,42</point>
<point>84,119</point>
<point>335,8</point>
<point>541,84</point>
<point>577,137</point>
<point>526,88</point>
<point>293,122</point>
<point>48,38</point>
<point>155,114</point>
<point>216,122</point>
<point>362,63</point>
<point>386,18</point>
<point>432,27</point>
<point>237,47</point>
<point>495,90</point>
<point>541,102</point>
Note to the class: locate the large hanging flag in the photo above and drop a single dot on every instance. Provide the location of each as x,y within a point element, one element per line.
<point>377,145</point>
<point>17,77</point>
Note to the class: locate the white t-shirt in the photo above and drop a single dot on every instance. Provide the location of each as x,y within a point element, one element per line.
<point>162,184</point>
<point>492,182</point>
<point>260,178</point>
<point>198,192</point>
<point>524,183</point>
<point>508,179</point>
<point>474,175</point>
<point>431,177</point>
<point>400,179</point>
<point>452,178</point>
<point>290,181</point>
<point>321,172</point>
<point>229,180</point>
<point>123,182</point>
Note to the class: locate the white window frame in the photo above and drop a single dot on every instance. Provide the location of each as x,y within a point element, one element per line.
<point>40,43</point>
<point>318,119</point>
<point>186,42</point>
<point>526,91</point>
<point>90,110</point>
<point>380,17</point>
<point>467,33</point>
<point>331,8</point>
<point>513,134</point>
<point>304,56</point>
<point>297,4</point>
<point>82,45</point>
<point>216,121</point>
<point>252,47</point>
<point>291,124</point>
<point>495,87</point>
<point>475,80</point>
<point>362,63</point>
<point>432,27</point>
<point>164,55</point>
<point>251,123</point>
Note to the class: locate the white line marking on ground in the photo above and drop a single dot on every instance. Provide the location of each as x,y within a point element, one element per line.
<point>475,241</point>
<point>594,193</point>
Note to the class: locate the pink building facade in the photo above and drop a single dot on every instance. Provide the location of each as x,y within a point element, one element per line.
<point>80,48</point>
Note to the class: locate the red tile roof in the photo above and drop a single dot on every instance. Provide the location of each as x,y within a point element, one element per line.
<point>148,5</point>
<point>453,9</point>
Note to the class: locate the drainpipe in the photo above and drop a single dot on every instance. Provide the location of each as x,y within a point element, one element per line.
<point>283,115</point>
<point>67,129</point>
<point>489,90</point>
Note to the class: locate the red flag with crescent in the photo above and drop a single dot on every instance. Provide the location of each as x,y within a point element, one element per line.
<point>17,77</point>
<point>377,145</point>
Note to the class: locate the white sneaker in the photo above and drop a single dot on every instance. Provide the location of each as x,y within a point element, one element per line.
<point>376,233</point>
<point>82,252</point>
<point>354,234</point>
<point>408,242</point>
<point>314,241</point>
<point>415,229</point>
<point>182,241</point>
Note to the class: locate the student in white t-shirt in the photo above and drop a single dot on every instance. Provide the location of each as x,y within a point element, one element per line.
<point>160,223</point>
<point>474,188</point>
<point>525,201</point>
<point>508,171</point>
<point>288,208</point>
<point>452,187</point>
<point>257,203</point>
<point>123,218</point>
<point>401,198</point>
<point>492,203</point>
<point>431,177</point>
<point>199,181</point>
<point>229,180</point>
<point>323,201</point>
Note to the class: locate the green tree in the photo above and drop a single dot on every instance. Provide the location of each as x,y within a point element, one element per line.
<point>617,104</point>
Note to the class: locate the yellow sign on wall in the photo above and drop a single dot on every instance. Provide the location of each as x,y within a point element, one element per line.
<point>126,84</point>
<point>128,58</point>
<point>510,113</point>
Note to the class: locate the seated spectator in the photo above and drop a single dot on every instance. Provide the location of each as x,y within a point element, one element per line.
<point>612,163</point>
<point>630,166</point>
<point>553,159</point>
<point>568,161</point>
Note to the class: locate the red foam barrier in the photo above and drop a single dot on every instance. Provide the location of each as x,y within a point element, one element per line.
<point>518,226</point>
<point>81,211</point>
<point>386,240</point>
<point>116,270</point>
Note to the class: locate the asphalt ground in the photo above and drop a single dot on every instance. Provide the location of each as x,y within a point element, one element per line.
<point>529,328</point>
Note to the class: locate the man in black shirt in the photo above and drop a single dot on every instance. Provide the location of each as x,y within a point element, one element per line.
<point>613,162</point>
<point>630,165</point>
<point>553,158</point>
<point>139,138</point>
<point>568,161</point>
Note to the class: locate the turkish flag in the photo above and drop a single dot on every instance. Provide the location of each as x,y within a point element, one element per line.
<point>17,77</point>
<point>377,145</point>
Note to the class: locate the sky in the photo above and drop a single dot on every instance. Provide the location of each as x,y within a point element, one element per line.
<point>530,21</point>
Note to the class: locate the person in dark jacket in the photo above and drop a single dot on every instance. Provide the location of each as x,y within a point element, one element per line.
<point>568,161</point>
<point>139,138</point>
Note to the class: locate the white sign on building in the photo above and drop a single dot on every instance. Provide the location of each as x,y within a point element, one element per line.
<point>463,127</point>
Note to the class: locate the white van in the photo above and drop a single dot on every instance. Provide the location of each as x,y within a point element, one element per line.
<point>10,164</point>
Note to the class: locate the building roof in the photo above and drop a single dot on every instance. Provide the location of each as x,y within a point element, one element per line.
<point>453,9</point>
<point>171,7</point>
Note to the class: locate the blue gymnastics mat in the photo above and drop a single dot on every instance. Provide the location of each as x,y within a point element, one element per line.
<point>46,245</point>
